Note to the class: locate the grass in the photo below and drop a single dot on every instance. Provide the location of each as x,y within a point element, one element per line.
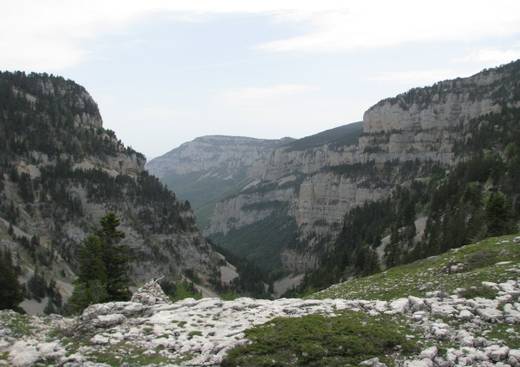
<point>492,259</point>
<point>316,340</point>
<point>508,334</point>
<point>19,325</point>
<point>194,333</point>
<point>125,353</point>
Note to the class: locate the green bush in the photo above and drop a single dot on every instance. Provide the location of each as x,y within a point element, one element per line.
<point>316,340</point>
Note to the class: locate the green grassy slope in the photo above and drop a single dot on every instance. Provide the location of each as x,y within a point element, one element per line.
<point>340,136</point>
<point>493,259</point>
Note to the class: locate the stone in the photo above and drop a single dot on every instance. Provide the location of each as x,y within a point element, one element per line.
<point>465,315</point>
<point>514,357</point>
<point>429,353</point>
<point>419,363</point>
<point>416,303</point>
<point>104,321</point>
<point>23,354</point>
<point>372,362</point>
<point>497,353</point>
<point>442,309</point>
<point>149,294</point>
<point>490,314</point>
<point>99,339</point>
<point>400,305</point>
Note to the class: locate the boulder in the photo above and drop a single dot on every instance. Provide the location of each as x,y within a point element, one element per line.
<point>150,294</point>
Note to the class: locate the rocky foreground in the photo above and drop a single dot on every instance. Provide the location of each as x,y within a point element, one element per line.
<point>150,330</point>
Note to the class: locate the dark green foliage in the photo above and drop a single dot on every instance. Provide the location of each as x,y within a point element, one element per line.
<point>315,340</point>
<point>103,268</point>
<point>48,124</point>
<point>90,287</point>
<point>479,291</point>
<point>180,290</point>
<point>115,257</point>
<point>262,242</point>
<point>251,280</point>
<point>37,286</point>
<point>11,293</point>
<point>499,218</point>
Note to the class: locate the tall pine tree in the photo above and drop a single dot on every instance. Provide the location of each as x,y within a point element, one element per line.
<point>10,290</point>
<point>103,268</point>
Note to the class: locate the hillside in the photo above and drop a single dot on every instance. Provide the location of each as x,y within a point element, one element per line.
<point>211,168</point>
<point>445,151</point>
<point>463,310</point>
<point>60,172</point>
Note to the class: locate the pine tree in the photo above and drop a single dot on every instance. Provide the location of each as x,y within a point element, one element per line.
<point>115,257</point>
<point>10,290</point>
<point>103,268</point>
<point>498,214</point>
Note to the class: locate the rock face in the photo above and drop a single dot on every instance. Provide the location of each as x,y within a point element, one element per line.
<point>151,330</point>
<point>61,171</point>
<point>210,168</point>
<point>312,186</point>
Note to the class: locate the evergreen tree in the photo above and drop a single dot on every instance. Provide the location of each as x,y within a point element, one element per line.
<point>10,290</point>
<point>116,258</point>
<point>103,268</point>
<point>498,214</point>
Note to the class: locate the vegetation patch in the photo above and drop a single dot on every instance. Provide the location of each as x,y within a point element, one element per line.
<point>430,274</point>
<point>508,334</point>
<point>19,325</point>
<point>125,353</point>
<point>317,340</point>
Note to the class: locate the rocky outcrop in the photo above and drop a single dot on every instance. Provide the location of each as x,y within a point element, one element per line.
<point>201,332</point>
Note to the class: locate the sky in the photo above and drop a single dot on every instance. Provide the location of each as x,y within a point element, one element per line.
<point>164,72</point>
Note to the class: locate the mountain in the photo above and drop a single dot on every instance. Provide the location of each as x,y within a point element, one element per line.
<point>210,168</point>
<point>61,171</point>
<point>314,202</point>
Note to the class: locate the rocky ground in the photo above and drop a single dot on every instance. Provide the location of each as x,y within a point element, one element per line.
<point>448,330</point>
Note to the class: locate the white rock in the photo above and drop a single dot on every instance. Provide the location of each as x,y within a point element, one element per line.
<point>400,305</point>
<point>419,363</point>
<point>514,357</point>
<point>416,303</point>
<point>490,285</point>
<point>429,353</point>
<point>497,353</point>
<point>441,309</point>
<point>23,354</point>
<point>109,320</point>
<point>490,314</point>
<point>465,315</point>
<point>99,339</point>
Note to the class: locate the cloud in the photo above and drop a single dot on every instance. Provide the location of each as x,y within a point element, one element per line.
<point>53,34</point>
<point>259,96</point>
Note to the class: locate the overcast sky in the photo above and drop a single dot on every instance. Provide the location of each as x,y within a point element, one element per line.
<point>164,72</point>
